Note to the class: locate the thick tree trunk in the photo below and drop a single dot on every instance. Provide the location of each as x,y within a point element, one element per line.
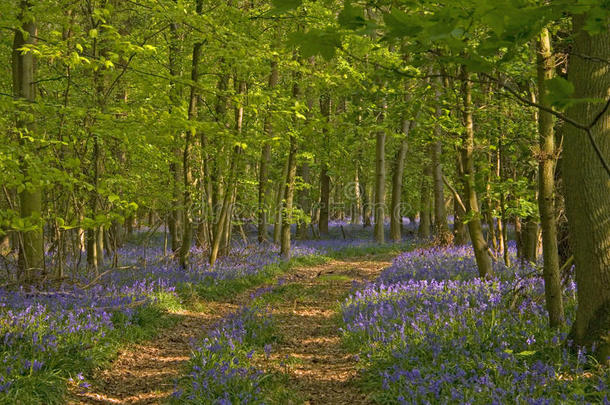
<point>472,205</point>
<point>397,175</point>
<point>263,176</point>
<point>546,186</point>
<point>587,187</point>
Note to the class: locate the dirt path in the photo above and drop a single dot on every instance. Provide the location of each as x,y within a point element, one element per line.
<point>145,373</point>
<point>310,354</point>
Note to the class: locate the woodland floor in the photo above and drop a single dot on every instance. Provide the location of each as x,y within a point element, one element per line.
<point>310,354</point>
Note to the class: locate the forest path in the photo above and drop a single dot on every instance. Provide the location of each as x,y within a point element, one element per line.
<point>310,353</point>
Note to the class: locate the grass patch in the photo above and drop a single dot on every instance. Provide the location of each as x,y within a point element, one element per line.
<point>372,250</point>
<point>222,289</point>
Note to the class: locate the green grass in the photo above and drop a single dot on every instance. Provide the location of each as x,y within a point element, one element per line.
<point>224,289</point>
<point>371,250</point>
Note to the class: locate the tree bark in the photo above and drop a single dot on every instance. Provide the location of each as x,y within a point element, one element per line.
<point>546,185</point>
<point>380,137</point>
<point>263,176</point>
<point>397,175</point>
<point>175,214</point>
<point>472,205</point>
<point>587,187</point>
<point>441,227</point>
<point>325,108</point>
<point>424,229</point>
<point>187,231</point>
<point>460,231</point>
<point>287,217</point>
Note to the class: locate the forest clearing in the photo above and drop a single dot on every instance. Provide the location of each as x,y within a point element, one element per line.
<point>305,202</point>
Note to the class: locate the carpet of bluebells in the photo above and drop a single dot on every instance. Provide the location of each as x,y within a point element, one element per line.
<point>55,334</point>
<point>220,370</point>
<point>51,334</point>
<point>430,331</point>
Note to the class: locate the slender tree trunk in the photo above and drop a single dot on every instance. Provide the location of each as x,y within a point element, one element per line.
<point>503,220</point>
<point>357,205</point>
<point>222,231</point>
<point>366,203</point>
<point>529,239</point>
<point>587,187</point>
<point>379,232</point>
<point>546,186</point>
<point>441,227</point>
<point>279,205</point>
<point>397,175</point>
<point>290,180</point>
<point>264,162</point>
<point>187,232</point>
<point>224,212</point>
<point>467,151</point>
<point>460,231</point>
<point>175,166</point>
<point>304,201</point>
<point>325,108</point>
<point>424,211</point>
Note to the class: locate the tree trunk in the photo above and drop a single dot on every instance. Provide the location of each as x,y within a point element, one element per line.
<point>279,205</point>
<point>325,108</point>
<point>224,212</point>
<point>356,211</point>
<point>187,231</point>
<point>529,240</point>
<point>222,231</point>
<point>175,214</point>
<point>304,201</point>
<point>441,227</point>
<point>460,231</point>
<point>379,232</point>
<point>263,187</point>
<point>31,249</point>
<point>397,175</point>
<point>587,187</point>
<point>546,186</point>
<point>424,210</point>
<point>290,180</point>
<point>472,205</point>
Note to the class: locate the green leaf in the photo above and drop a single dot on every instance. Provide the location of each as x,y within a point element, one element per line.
<point>401,24</point>
<point>526,353</point>
<point>352,17</point>
<point>559,92</point>
<point>317,42</point>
